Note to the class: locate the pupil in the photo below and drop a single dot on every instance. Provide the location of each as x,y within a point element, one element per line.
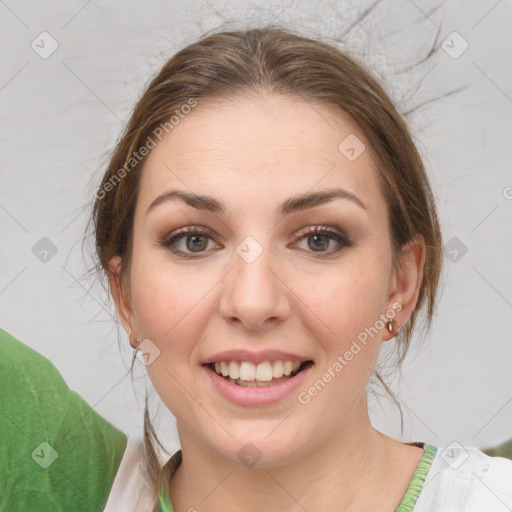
<point>316,238</point>
<point>194,244</point>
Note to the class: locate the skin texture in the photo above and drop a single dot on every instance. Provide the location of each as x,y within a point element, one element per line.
<point>313,300</point>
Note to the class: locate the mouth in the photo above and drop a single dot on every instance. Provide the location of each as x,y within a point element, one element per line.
<point>265,374</point>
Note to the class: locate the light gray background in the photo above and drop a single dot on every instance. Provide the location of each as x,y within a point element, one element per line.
<point>61,116</point>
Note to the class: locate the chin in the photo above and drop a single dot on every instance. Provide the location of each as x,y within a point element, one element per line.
<point>260,452</point>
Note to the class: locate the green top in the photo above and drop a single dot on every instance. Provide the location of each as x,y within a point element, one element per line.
<point>406,505</point>
<point>57,454</point>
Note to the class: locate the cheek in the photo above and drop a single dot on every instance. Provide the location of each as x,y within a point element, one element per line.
<point>347,298</point>
<point>172,311</point>
<point>171,303</point>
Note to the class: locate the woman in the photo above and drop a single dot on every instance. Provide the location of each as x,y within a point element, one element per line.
<point>265,224</point>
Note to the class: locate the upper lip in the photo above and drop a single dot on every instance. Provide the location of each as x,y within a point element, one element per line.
<point>255,357</point>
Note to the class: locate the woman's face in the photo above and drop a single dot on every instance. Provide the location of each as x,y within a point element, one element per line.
<point>254,282</point>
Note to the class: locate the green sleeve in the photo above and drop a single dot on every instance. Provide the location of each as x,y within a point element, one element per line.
<point>57,454</point>
<point>502,450</point>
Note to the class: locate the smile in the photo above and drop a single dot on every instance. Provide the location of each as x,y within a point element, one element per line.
<point>267,373</point>
<point>247,389</point>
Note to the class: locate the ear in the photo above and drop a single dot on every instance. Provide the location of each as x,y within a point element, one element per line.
<point>122,299</point>
<point>405,284</point>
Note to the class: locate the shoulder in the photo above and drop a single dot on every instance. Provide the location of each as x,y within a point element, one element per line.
<point>59,449</point>
<point>463,478</point>
<point>131,489</point>
<point>29,383</point>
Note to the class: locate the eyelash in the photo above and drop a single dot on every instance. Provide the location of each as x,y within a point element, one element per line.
<point>337,236</point>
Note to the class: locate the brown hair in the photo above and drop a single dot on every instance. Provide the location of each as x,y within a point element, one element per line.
<point>274,60</point>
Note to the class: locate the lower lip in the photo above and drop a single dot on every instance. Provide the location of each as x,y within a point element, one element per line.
<point>255,396</point>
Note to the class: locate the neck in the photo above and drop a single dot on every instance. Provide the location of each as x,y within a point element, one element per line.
<point>338,474</point>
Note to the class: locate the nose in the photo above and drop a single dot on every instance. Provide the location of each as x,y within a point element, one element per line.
<point>254,293</point>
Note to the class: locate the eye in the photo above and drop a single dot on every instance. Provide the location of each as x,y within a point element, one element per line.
<point>196,241</point>
<point>321,237</point>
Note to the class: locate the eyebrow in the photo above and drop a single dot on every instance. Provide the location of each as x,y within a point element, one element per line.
<point>292,204</point>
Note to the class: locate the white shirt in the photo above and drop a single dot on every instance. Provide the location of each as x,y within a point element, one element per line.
<point>464,479</point>
<point>130,491</point>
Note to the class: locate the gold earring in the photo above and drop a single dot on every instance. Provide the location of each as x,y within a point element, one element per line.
<point>390,325</point>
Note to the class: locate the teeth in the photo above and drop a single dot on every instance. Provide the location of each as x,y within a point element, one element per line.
<point>264,372</point>
<point>250,373</point>
<point>234,370</point>
<point>253,384</point>
<point>277,372</point>
<point>247,370</point>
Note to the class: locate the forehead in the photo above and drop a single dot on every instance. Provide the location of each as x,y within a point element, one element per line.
<point>260,146</point>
